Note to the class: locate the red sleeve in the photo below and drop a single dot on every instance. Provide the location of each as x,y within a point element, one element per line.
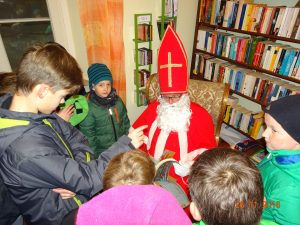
<point>203,127</point>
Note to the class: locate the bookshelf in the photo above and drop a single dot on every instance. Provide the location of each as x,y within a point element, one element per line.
<point>226,40</point>
<point>142,55</point>
<point>168,16</point>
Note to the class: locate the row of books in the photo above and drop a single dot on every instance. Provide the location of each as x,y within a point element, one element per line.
<point>144,32</point>
<point>258,86</point>
<point>144,56</point>
<point>167,22</point>
<point>245,120</point>
<point>257,51</point>
<point>140,97</point>
<point>171,8</point>
<point>245,15</point>
<point>142,77</point>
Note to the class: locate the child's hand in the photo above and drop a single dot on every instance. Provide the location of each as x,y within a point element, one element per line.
<point>137,136</point>
<point>64,193</point>
<point>66,113</point>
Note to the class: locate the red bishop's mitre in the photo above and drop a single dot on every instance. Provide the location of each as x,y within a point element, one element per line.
<point>172,64</point>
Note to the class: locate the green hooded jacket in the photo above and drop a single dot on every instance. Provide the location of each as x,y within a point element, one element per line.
<point>104,126</point>
<point>280,172</point>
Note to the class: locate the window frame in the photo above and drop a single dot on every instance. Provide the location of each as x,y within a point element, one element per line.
<point>59,17</point>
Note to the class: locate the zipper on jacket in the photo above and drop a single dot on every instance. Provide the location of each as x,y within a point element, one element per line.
<point>76,200</point>
<point>268,160</point>
<point>60,138</point>
<point>113,124</point>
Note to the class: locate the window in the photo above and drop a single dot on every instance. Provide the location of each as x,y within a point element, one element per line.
<point>22,23</point>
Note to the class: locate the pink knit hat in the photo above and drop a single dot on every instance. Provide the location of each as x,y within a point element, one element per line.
<point>132,205</point>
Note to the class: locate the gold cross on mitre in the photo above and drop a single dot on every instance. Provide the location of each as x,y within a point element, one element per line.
<point>169,66</point>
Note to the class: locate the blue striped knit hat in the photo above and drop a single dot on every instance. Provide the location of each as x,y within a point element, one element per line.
<point>98,72</point>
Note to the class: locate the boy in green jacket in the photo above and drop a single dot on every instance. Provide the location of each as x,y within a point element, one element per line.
<point>107,118</point>
<point>280,170</point>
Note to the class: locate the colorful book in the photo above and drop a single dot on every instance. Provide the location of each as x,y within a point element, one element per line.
<point>247,17</point>
<point>227,13</point>
<point>295,27</point>
<point>279,20</point>
<point>243,14</point>
<point>296,15</point>
<point>239,12</point>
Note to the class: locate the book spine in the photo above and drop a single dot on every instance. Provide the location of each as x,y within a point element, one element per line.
<point>234,15</point>
<point>289,63</point>
<point>285,62</point>
<point>283,51</point>
<point>242,16</point>
<point>274,19</point>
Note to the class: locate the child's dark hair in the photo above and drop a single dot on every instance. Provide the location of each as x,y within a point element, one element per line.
<point>128,168</point>
<point>7,83</point>
<point>50,64</point>
<point>227,188</point>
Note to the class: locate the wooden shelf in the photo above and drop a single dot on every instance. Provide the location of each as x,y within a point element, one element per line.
<point>232,91</point>
<point>244,65</point>
<point>272,37</point>
<point>261,141</point>
<point>247,97</point>
<point>220,28</point>
<point>142,18</point>
<point>140,41</point>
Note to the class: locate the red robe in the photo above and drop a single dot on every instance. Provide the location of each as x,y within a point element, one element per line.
<point>200,134</point>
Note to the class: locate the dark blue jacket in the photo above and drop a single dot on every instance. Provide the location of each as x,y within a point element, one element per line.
<point>9,211</point>
<point>39,152</point>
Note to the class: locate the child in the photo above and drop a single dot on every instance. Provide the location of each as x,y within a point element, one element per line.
<point>133,167</point>
<point>39,151</point>
<point>9,210</point>
<point>8,85</point>
<point>280,170</point>
<point>226,189</point>
<point>133,205</point>
<point>128,168</point>
<point>107,118</point>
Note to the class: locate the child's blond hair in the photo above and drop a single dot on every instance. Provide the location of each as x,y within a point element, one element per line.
<point>132,167</point>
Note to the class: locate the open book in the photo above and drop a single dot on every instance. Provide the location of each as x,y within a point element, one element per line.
<point>163,180</point>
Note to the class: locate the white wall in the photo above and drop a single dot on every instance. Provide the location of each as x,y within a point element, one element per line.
<point>132,7</point>
<point>78,37</point>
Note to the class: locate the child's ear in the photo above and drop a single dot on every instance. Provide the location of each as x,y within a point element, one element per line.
<point>42,90</point>
<point>195,212</point>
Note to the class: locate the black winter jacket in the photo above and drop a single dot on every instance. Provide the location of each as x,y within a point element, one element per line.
<point>9,211</point>
<point>39,152</point>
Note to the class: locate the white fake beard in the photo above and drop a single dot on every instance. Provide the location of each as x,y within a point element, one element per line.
<point>174,117</point>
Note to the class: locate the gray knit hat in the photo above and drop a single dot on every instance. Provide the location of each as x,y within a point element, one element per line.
<point>98,72</point>
<point>286,112</point>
